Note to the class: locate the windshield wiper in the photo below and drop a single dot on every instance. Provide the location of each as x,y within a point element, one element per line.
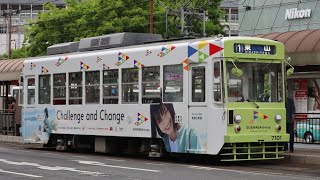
<point>254,103</point>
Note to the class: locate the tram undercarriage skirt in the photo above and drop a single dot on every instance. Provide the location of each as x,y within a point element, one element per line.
<point>252,151</point>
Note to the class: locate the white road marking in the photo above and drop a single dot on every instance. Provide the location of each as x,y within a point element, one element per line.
<point>95,163</point>
<point>246,172</point>
<point>80,156</point>
<point>159,164</point>
<point>21,174</point>
<point>119,160</point>
<point>51,168</point>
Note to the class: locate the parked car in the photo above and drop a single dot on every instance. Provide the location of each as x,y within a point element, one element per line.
<point>309,130</point>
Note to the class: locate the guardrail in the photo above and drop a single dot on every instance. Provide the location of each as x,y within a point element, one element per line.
<point>307,128</point>
<point>7,122</point>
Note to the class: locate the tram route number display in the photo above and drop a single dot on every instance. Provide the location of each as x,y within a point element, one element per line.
<point>254,49</point>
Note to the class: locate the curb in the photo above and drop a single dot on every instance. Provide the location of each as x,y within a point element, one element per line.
<point>302,159</point>
<point>12,139</point>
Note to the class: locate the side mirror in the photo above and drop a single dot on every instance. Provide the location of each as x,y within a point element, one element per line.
<point>290,71</point>
<point>236,71</point>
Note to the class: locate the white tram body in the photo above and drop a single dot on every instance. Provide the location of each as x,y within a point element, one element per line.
<point>110,93</point>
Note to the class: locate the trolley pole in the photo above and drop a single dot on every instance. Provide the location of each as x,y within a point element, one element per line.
<point>151,16</point>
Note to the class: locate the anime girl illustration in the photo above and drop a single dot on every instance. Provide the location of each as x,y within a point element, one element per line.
<point>177,138</point>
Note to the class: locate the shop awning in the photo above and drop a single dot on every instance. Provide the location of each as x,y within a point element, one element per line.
<point>10,69</point>
<point>302,46</point>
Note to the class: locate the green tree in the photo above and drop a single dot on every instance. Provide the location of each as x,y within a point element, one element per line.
<point>87,18</point>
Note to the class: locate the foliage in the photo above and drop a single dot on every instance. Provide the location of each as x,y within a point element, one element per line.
<point>87,18</point>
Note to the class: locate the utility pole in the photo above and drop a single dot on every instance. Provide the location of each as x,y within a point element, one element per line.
<point>151,16</point>
<point>9,16</point>
<point>186,16</point>
<point>9,29</point>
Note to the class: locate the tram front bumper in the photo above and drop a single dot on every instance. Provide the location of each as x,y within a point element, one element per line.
<point>256,138</point>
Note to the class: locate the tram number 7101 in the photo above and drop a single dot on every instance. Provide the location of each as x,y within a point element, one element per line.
<point>276,138</point>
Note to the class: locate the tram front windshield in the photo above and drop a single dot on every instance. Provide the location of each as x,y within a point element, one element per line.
<point>260,82</point>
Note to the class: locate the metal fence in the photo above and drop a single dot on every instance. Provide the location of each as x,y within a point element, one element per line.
<point>307,128</point>
<point>7,125</point>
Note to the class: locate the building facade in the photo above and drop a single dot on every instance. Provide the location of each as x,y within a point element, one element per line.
<point>296,23</point>
<point>21,12</point>
<point>230,22</point>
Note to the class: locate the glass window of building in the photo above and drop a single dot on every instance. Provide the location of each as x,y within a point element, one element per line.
<point>59,89</point>
<point>173,83</point>
<point>130,85</point>
<point>198,84</point>
<point>75,88</point>
<point>151,84</point>
<point>44,89</point>
<point>110,86</point>
<point>92,87</point>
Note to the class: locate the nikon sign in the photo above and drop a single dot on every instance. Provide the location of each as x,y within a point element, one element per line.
<point>294,13</point>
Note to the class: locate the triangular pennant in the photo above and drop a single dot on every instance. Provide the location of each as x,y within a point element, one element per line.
<point>202,56</point>
<point>255,112</point>
<point>172,48</point>
<point>214,49</point>
<point>255,117</point>
<point>186,61</point>
<point>191,51</point>
<point>265,117</point>
<point>186,67</point>
<point>202,44</point>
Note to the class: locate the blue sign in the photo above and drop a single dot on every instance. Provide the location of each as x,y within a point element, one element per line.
<point>254,49</point>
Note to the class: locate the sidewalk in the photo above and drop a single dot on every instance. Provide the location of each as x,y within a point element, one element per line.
<point>304,154</point>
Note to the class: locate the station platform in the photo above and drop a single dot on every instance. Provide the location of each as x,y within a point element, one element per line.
<point>303,153</point>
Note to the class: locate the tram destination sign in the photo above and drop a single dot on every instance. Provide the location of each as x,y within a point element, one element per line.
<point>254,49</point>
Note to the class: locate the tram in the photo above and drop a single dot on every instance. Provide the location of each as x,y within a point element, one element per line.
<point>132,92</point>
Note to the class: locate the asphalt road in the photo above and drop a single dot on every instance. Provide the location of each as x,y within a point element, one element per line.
<point>23,162</point>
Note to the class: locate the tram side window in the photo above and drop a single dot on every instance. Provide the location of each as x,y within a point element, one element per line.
<point>217,82</point>
<point>130,85</point>
<point>31,92</point>
<point>110,86</point>
<point>44,89</point>
<point>75,88</point>
<point>151,84</point>
<point>173,83</point>
<point>59,89</point>
<point>198,84</point>
<point>93,87</point>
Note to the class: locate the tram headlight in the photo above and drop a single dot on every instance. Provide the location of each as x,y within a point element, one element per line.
<point>278,128</point>
<point>237,118</point>
<point>278,118</point>
<point>237,129</point>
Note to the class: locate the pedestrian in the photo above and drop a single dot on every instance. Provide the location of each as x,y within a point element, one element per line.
<point>290,112</point>
<point>12,106</point>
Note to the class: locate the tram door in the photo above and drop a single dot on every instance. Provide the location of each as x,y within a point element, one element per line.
<point>28,106</point>
<point>198,105</point>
